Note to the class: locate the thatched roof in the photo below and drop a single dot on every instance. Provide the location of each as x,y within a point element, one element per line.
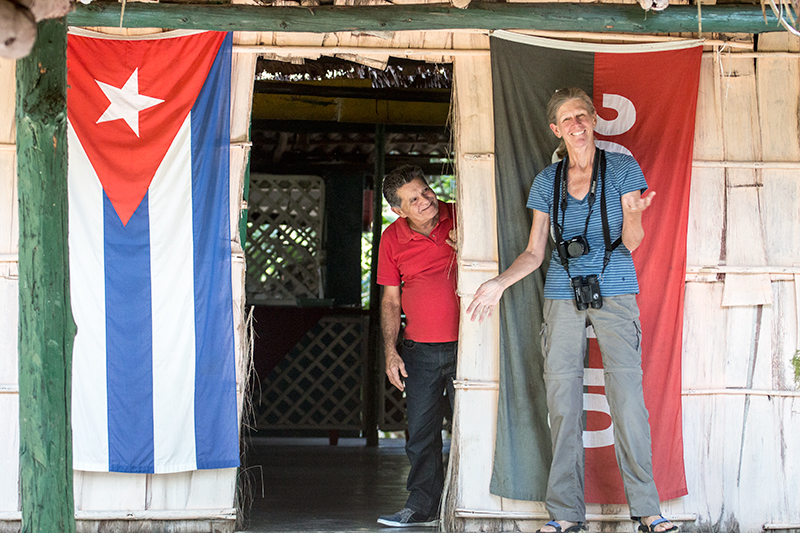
<point>399,73</point>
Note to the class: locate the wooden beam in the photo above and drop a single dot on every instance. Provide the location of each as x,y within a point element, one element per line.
<point>601,18</point>
<point>439,96</point>
<point>341,165</point>
<point>541,515</point>
<point>310,126</point>
<point>313,52</point>
<point>46,329</point>
<point>317,108</point>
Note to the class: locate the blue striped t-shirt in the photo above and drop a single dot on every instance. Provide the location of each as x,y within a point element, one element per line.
<point>623,175</point>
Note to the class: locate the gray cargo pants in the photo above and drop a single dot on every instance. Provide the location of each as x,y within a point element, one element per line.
<point>618,332</point>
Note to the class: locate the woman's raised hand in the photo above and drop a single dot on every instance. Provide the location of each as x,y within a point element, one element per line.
<point>486,298</point>
<point>637,204</point>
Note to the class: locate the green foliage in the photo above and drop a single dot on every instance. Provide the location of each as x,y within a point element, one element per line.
<point>444,187</point>
<point>796,366</point>
<point>366,259</point>
<point>366,255</point>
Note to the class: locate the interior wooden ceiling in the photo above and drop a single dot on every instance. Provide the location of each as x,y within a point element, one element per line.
<point>308,145</point>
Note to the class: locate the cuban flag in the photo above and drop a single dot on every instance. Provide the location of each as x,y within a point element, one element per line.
<point>645,97</point>
<point>153,386</point>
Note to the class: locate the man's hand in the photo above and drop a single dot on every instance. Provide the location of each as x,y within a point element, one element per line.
<point>395,368</point>
<point>390,327</point>
<point>452,239</point>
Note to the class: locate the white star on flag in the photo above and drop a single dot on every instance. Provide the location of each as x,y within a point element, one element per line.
<point>125,103</point>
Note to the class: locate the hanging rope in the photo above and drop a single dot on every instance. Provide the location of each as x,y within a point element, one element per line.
<point>122,12</point>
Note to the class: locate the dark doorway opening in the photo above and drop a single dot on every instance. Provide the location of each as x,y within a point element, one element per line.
<point>323,132</point>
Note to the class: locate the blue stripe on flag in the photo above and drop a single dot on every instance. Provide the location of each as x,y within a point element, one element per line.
<point>129,341</point>
<point>216,422</point>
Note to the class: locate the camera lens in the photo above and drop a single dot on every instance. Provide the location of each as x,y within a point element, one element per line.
<point>575,249</point>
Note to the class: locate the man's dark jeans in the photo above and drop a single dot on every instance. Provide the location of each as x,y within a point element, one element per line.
<point>431,368</point>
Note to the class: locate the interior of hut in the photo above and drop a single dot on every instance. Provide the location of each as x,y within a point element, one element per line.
<point>322,131</point>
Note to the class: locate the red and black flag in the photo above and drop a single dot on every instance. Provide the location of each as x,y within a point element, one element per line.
<point>645,97</point>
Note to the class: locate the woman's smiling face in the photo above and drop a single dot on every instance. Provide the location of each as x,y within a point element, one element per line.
<point>575,124</point>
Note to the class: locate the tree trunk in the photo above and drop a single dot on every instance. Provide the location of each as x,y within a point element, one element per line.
<point>46,329</point>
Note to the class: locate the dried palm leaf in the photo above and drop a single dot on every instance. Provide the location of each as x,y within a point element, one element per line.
<point>787,13</point>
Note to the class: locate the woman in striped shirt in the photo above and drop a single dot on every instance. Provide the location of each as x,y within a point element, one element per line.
<point>591,279</point>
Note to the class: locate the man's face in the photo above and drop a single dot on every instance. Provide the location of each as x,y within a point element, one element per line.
<point>417,203</point>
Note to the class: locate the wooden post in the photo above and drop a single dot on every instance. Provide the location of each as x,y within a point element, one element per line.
<point>477,381</point>
<point>46,329</point>
<point>374,378</point>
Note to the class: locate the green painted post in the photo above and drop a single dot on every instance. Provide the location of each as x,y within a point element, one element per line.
<point>46,328</point>
<point>556,16</point>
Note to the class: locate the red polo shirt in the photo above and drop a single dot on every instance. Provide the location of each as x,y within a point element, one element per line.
<point>426,268</point>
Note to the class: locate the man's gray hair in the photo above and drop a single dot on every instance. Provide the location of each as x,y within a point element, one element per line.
<point>399,177</point>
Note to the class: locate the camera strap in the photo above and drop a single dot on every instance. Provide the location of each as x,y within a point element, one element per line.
<point>610,247</point>
<point>560,193</point>
<point>557,186</point>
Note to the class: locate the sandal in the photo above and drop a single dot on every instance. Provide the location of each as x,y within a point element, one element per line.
<point>644,528</point>
<point>577,528</point>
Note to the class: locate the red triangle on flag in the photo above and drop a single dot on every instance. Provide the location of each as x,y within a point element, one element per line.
<point>127,99</point>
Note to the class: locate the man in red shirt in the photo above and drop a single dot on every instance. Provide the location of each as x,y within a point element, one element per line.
<point>417,268</point>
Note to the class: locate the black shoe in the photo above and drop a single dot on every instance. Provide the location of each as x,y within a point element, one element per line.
<point>406,517</point>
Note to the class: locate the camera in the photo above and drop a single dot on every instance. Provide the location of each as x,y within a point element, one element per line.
<point>587,292</point>
<point>574,247</point>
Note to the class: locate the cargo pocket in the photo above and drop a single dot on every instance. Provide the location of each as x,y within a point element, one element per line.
<point>638,326</point>
<point>544,338</point>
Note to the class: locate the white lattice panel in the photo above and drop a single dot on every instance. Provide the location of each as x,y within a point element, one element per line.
<point>318,385</point>
<point>284,238</point>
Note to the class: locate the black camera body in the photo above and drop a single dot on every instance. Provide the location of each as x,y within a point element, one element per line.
<point>586,290</point>
<point>574,247</point>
